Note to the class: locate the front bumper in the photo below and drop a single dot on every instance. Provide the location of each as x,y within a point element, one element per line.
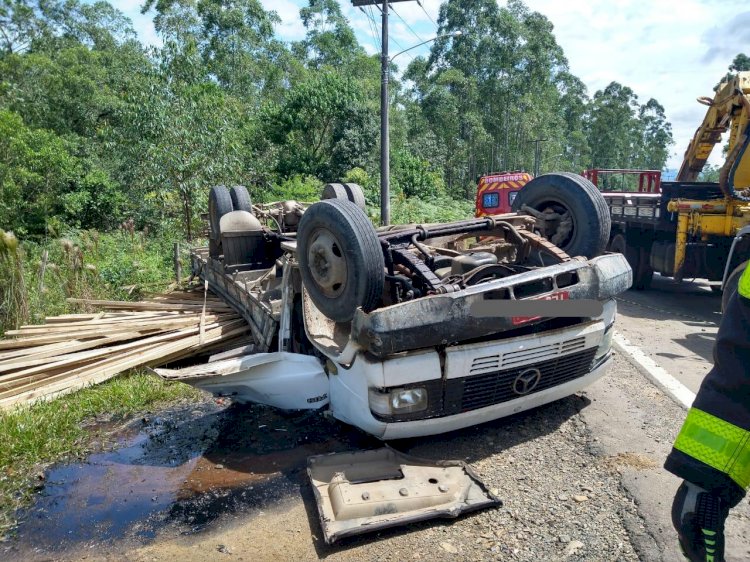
<point>362,417</point>
<point>447,319</point>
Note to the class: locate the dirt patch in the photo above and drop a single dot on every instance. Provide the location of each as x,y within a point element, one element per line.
<point>559,503</point>
<point>629,460</point>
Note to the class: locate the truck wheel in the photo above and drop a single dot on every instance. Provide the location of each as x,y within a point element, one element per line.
<point>219,204</point>
<point>340,258</point>
<point>334,191</point>
<point>241,199</point>
<point>356,195</point>
<point>637,259</point>
<point>731,287</point>
<point>570,211</point>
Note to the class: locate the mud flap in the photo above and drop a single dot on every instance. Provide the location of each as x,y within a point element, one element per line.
<point>365,491</point>
<point>290,381</point>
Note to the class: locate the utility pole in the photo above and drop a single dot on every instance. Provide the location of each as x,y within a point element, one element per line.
<point>537,155</point>
<point>385,138</point>
<point>385,133</point>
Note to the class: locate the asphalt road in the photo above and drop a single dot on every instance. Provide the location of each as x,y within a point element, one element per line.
<point>675,324</point>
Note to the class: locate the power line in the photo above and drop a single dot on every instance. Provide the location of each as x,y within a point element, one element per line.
<point>419,3</point>
<point>407,25</point>
<point>372,24</point>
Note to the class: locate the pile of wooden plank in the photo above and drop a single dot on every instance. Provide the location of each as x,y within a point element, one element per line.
<point>69,352</point>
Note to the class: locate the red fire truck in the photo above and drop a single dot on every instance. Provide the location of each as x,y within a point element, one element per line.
<point>496,192</point>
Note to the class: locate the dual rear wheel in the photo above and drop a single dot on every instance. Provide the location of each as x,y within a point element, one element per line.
<point>221,201</point>
<point>638,259</point>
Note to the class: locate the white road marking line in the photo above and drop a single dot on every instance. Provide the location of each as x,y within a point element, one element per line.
<point>654,372</point>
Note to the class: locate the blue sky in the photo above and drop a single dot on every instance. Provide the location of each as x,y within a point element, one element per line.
<point>672,50</point>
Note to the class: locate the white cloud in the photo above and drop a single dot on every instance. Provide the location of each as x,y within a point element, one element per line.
<point>671,50</point>
<point>143,24</point>
<point>291,28</point>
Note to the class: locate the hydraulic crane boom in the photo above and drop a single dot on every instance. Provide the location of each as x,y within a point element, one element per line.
<point>729,110</point>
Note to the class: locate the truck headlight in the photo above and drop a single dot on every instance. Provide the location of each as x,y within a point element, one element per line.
<point>398,401</point>
<point>606,344</point>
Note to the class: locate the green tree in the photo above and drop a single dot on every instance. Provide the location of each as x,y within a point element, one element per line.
<point>323,125</point>
<point>330,39</point>
<point>43,185</point>
<point>612,127</point>
<point>656,138</point>
<point>487,94</point>
<point>624,134</point>
<point>740,63</point>
<point>193,142</point>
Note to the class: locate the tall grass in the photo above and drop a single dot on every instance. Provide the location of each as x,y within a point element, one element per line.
<point>36,278</point>
<point>14,299</point>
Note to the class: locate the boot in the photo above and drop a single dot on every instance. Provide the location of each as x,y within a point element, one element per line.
<point>698,516</point>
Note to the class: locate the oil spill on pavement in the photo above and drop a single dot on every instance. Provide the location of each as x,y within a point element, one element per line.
<point>178,472</point>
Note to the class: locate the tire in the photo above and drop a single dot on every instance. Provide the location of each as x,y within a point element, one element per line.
<point>340,258</point>
<point>356,195</point>
<point>637,258</point>
<point>334,191</point>
<point>219,204</point>
<point>566,192</point>
<point>241,199</point>
<point>733,282</point>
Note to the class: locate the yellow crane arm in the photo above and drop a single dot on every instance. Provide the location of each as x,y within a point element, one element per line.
<point>729,110</point>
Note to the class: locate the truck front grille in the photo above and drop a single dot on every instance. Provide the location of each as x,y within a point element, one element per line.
<point>491,364</point>
<point>488,389</point>
<point>463,394</point>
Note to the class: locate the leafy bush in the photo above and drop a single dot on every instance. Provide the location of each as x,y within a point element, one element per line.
<point>414,176</point>
<point>437,209</point>
<point>369,184</point>
<point>298,188</point>
<point>44,184</point>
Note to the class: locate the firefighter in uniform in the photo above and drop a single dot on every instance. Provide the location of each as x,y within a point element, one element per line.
<point>712,450</point>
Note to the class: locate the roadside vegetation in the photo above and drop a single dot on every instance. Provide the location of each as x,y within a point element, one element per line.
<point>38,276</point>
<point>97,128</point>
<point>108,146</point>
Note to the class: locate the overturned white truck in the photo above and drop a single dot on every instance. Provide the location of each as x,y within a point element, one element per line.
<point>412,330</point>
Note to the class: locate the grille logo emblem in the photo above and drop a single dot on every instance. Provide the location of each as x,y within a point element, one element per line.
<point>526,381</point>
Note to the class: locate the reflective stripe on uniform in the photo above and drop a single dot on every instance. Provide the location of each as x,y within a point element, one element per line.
<point>744,286</point>
<point>717,443</point>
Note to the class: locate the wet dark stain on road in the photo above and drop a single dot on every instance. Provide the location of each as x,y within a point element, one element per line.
<point>182,470</point>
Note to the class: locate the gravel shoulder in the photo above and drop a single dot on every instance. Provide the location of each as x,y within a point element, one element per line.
<point>563,495</point>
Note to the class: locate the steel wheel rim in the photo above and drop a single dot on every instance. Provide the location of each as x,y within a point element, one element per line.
<point>326,263</point>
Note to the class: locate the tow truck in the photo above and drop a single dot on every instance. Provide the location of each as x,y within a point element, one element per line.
<point>687,228</point>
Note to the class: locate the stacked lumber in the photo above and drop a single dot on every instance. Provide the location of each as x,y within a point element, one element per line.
<point>72,351</point>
